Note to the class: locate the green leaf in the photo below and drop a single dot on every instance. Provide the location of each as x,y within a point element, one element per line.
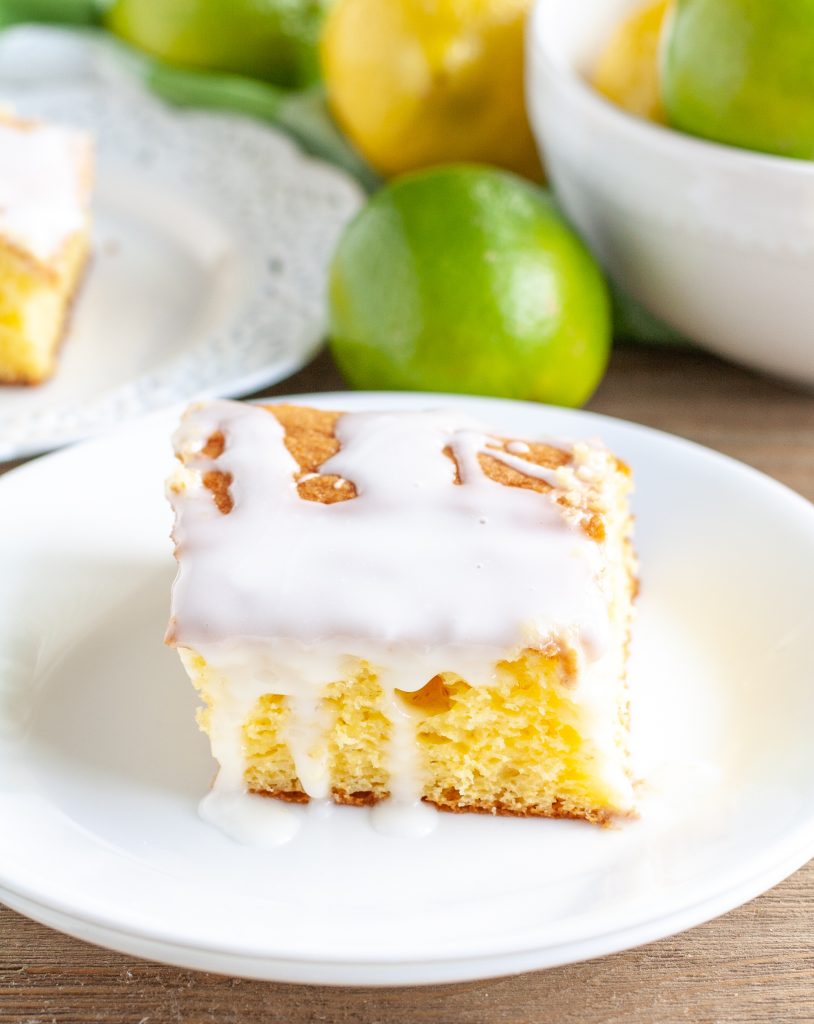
<point>304,115</point>
<point>633,322</point>
<point>62,12</point>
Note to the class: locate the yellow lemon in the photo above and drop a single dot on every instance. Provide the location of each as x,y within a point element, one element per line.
<point>420,82</point>
<point>628,70</point>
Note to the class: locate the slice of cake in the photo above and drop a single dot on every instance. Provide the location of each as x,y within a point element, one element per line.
<point>45,180</point>
<point>399,607</point>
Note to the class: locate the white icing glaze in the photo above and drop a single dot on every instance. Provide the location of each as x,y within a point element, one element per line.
<point>306,727</point>
<point>250,819</point>
<point>477,565</point>
<point>402,814</point>
<point>42,191</point>
<point>280,593</point>
<point>518,448</point>
<point>403,820</point>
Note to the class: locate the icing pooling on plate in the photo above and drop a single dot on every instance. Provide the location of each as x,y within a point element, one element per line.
<point>41,186</point>
<point>417,575</point>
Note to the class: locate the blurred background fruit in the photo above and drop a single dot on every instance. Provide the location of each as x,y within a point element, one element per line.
<point>628,70</point>
<point>420,82</point>
<point>414,82</point>
<point>742,72</point>
<point>467,279</point>
<point>62,12</point>
<point>276,40</point>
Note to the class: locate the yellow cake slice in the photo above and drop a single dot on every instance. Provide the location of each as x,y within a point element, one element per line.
<point>45,181</point>
<point>405,609</point>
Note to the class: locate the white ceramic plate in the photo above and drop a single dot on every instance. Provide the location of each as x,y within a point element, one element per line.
<point>102,766</point>
<point>212,235</point>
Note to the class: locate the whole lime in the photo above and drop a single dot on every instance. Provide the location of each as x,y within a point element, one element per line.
<point>741,72</point>
<point>277,40</point>
<point>467,279</point>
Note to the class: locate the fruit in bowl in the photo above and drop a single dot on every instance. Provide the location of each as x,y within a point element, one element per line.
<point>627,71</point>
<point>715,240</point>
<point>742,72</point>
<point>467,279</point>
<point>739,72</point>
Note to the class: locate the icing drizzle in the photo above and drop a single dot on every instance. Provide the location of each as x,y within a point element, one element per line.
<point>414,560</point>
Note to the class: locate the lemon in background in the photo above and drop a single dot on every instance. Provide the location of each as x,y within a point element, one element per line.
<point>276,40</point>
<point>741,72</point>
<point>420,82</point>
<point>467,279</point>
<point>628,70</point>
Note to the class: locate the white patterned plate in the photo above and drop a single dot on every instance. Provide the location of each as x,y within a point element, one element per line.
<point>211,242</point>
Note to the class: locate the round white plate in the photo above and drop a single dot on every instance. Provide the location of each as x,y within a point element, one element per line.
<point>102,766</point>
<point>212,235</point>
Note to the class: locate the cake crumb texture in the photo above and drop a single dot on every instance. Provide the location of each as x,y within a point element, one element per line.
<point>521,747</point>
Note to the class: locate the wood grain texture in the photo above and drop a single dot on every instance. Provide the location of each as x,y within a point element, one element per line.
<point>754,965</point>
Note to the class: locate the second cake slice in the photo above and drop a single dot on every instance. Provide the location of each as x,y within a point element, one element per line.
<point>45,181</point>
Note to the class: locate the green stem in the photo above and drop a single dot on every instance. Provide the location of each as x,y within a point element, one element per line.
<point>216,91</point>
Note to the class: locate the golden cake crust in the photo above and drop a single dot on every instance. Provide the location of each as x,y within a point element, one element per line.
<point>453,805</point>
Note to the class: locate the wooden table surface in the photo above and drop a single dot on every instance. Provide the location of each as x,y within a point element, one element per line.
<point>755,964</point>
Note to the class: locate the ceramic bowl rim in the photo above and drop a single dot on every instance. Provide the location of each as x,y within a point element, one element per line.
<point>543,51</point>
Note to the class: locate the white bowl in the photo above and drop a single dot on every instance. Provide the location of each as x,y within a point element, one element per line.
<point>717,241</point>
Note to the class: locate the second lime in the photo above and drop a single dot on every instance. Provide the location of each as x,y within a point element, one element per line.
<point>467,279</point>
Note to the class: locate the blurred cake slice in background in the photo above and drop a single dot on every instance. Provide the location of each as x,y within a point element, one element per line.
<point>45,184</point>
<point>405,609</point>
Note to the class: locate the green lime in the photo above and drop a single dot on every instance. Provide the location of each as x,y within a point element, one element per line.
<point>464,278</point>
<point>742,72</point>
<point>277,40</point>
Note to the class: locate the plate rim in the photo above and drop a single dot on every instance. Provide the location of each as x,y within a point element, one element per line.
<point>393,973</point>
<point>769,866</point>
<point>237,388</point>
